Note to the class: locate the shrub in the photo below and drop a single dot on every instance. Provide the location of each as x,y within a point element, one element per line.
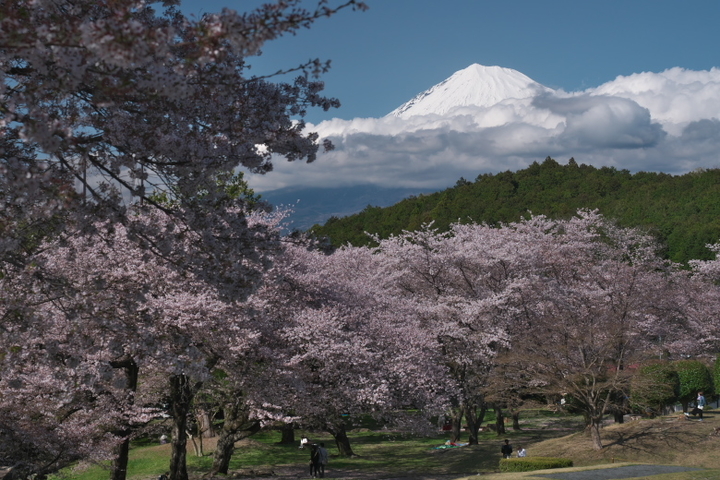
<point>655,385</point>
<point>528,464</point>
<point>694,377</point>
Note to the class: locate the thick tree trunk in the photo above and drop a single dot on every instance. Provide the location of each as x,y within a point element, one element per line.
<point>120,462</point>
<point>499,421</point>
<point>223,453</point>
<point>516,420</point>
<point>341,440</point>
<point>474,420</point>
<point>236,426</point>
<point>181,394</point>
<point>457,417</point>
<point>595,434</point>
<point>288,434</point>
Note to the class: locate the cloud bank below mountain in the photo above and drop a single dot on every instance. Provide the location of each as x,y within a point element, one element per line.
<point>667,122</point>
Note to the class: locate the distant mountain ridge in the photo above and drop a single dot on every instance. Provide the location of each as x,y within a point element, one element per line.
<point>312,206</point>
<point>682,212</point>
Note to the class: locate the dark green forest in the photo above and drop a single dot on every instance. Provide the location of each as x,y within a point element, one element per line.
<point>681,211</point>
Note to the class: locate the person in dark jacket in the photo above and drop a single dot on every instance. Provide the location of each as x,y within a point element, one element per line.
<point>506,449</point>
<point>323,457</point>
<point>314,460</point>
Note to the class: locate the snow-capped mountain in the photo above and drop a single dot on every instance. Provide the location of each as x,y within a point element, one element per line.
<point>492,119</point>
<point>474,86</point>
<point>477,96</point>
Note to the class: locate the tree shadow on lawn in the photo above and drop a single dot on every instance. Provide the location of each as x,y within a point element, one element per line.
<point>646,439</point>
<point>670,440</point>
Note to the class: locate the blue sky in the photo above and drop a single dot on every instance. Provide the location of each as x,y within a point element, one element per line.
<point>398,48</point>
<point>595,52</point>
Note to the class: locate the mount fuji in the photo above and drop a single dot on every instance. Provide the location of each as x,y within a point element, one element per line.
<point>474,86</point>
<point>475,89</point>
<point>489,119</point>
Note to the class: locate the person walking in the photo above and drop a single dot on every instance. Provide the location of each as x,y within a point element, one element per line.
<point>506,449</point>
<point>323,457</point>
<point>700,402</point>
<point>314,460</point>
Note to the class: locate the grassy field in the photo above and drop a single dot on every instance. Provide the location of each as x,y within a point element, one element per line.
<point>671,440</point>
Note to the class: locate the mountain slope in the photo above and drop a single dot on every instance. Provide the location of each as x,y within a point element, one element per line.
<point>683,212</point>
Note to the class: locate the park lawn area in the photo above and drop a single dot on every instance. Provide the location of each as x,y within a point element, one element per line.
<point>376,451</point>
<point>381,453</point>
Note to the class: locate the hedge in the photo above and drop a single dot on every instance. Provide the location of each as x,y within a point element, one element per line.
<point>528,464</point>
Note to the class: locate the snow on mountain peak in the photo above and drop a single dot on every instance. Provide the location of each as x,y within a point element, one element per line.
<point>476,85</point>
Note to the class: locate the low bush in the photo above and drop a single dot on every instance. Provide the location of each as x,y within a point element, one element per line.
<point>528,464</point>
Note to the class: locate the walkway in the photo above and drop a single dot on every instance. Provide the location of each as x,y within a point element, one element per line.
<point>629,471</point>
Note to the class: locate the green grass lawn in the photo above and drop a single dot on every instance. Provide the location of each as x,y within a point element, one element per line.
<point>375,451</point>
<point>387,453</point>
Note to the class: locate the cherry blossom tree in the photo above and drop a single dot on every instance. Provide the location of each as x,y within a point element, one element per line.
<point>706,298</point>
<point>346,350</point>
<point>115,88</point>
<point>325,344</point>
<point>106,311</point>
<point>542,307</point>
<point>102,103</point>
<point>598,303</point>
<point>458,284</point>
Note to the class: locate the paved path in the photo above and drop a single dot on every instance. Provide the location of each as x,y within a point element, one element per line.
<point>613,473</point>
<point>629,471</point>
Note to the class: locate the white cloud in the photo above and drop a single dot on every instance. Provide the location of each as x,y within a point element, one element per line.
<point>664,121</point>
<point>675,97</point>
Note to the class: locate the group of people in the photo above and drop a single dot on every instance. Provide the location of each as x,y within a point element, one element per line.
<point>507,450</point>
<point>318,457</point>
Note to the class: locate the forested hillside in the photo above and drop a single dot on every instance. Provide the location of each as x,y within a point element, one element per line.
<point>683,211</point>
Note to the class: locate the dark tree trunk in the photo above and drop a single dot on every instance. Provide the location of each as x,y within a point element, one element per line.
<point>181,394</point>
<point>341,440</point>
<point>120,462</point>
<point>288,433</point>
<point>499,421</point>
<point>618,406</point>
<point>474,420</point>
<point>456,424</point>
<point>516,420</point>
<point>223,453</point>
<point>236,426</point>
